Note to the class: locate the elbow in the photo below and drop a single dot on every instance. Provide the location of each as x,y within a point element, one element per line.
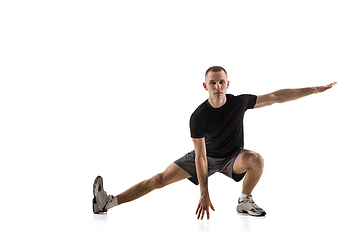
<point>200,162</point>
<point>200,159</point>
<point>274,99</point>
<point>280,99</point>
<point>277,98</point>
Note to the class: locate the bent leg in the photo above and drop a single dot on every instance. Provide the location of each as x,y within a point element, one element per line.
<point>251,162</point>
<point>172,174</point>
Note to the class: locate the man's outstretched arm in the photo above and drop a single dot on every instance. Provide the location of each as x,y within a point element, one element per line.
<point>286,95</point>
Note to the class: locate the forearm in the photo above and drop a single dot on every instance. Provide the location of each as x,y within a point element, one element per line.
<point>202,174</point>
<point>286,95</point>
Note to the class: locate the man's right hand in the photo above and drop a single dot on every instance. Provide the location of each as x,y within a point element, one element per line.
<point>203,206</point>
<point>202,174</point>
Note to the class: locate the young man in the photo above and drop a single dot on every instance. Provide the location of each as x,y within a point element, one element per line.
<point>216,128</point>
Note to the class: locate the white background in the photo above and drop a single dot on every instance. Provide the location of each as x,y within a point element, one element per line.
<point>107,88</point>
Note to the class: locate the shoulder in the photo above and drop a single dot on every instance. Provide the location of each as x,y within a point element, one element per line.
<point>247,99</point>
<point>200,109</point>
<point>197,121</point>
<point>245,96</point>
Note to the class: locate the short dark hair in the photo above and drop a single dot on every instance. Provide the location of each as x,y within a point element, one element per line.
<point>215,69</point>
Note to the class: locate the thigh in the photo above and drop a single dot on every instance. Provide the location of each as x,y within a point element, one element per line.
<point>174,173</point>
<point>243,161</point>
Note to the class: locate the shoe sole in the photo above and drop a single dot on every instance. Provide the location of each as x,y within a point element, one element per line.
<point>95,183</point>
<point>97,210</point>
<point>244,211</point>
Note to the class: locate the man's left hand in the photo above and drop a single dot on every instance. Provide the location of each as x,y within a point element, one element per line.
<point>324,88</point>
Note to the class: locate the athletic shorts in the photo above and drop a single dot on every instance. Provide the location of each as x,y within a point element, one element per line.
<point>222,165</point>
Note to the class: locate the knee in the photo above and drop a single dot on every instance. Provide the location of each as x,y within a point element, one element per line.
<point>257,161</point>
<point>157,181</point>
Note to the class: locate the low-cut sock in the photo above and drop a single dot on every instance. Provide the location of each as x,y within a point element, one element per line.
<point>243,196</point>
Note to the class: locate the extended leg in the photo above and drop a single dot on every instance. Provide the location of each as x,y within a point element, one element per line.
<point>172,173</point>
<point>102,201</point>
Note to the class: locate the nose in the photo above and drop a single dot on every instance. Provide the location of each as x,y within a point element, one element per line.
<point>217,86</point>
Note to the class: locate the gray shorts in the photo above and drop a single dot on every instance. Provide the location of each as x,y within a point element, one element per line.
<point>222,165</point>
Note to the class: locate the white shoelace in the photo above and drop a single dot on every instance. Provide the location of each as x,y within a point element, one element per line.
<point>251,201</point>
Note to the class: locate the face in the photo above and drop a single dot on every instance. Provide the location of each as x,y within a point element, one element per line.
<point>216,84</point>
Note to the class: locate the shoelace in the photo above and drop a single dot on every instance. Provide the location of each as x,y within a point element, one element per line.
<point>109,197</point>
<point>250,200</point>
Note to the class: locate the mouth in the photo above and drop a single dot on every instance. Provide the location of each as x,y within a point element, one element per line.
<point>218,93</point>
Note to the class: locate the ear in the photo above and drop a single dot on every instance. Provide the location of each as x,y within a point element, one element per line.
<point>204,85</point>
<point>228,82</point>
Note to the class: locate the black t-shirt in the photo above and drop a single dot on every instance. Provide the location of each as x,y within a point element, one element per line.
<point>222,127</point>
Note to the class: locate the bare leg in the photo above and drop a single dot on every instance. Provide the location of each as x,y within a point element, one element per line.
<point>251,162</point>
<point>172,173</point>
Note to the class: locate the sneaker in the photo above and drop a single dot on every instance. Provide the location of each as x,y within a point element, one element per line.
<point>249,206</point>
<point>101,199</point>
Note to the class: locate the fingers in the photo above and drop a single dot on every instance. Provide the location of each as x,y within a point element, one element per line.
<point>197,210</point>
<point>212,207</point>
<point>207,213</point>
<point>324,88</point>
<point>200,212</point>
<point>204,207</point>
<point>202,215</point>
<point>330,85</point>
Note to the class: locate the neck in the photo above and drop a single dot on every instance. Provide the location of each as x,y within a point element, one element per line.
<point>217,102</point>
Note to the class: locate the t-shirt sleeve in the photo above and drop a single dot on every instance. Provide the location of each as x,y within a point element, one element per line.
<point>251,101</point>
<point>196,126</point>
